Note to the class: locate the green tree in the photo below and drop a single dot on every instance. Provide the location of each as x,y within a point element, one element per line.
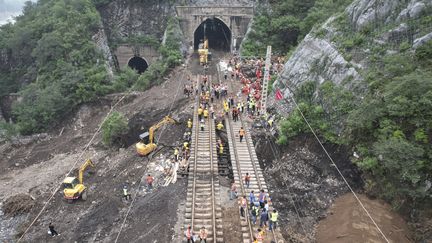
<point>114,127</point>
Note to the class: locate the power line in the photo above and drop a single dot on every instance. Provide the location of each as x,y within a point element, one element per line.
<point>334,164</point>
<point>73,166</point>
<point>289,189</point>
<point>157,140</point>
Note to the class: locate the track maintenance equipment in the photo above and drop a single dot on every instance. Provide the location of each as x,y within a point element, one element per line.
<point>145,149</point>
<point>203,52</point>
<point>74,187</point>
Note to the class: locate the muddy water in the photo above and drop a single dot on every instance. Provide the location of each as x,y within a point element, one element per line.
<point>348,222</point>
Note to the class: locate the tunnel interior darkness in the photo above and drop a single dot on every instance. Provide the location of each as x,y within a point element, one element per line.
<point>217,33</point>
<point>138,64</point>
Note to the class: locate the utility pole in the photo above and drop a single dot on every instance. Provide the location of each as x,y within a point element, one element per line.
<point>263,109</point>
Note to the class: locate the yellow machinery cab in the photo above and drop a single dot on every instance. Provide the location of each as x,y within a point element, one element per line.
<point>73,187</point>
<point>203,55</point>
<point>145,149</point>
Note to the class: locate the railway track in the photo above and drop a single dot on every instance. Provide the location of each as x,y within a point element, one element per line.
<point>203,207</point>
<point>244,160</point>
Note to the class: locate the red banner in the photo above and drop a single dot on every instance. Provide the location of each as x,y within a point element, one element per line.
<point>279,95</point>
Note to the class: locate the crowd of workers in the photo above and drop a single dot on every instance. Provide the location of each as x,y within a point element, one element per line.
<point>258,208</point>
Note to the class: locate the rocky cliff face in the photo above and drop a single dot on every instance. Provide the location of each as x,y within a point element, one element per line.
<point>319,57</point>
<point>125,18</point>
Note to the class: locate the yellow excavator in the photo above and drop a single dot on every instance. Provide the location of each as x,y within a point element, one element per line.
<point>203,52</point>
<point>74,187</point>
<point>145,149</point>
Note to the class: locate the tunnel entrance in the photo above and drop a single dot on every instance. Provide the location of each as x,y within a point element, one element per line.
<point>138,64</point>
<point>217,33</point>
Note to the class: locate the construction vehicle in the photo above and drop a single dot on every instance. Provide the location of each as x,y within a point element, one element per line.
<point>145,149</point>
<point>74,187</point>
<point>203,52</point>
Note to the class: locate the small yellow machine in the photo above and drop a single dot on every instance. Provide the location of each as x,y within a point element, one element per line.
<point>74,187</point>
<point>203,52</point>
<point>145,149</point>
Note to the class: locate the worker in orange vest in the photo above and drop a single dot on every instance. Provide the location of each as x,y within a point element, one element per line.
<point>241,133</point>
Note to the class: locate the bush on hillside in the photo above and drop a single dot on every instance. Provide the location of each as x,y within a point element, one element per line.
<point>113,128</point>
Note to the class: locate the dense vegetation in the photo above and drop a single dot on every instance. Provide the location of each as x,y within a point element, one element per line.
<point>114,128</point>
<point>389,127</point>
<point>54,61</point>
<point>287,23</point>
<point>54,65</point>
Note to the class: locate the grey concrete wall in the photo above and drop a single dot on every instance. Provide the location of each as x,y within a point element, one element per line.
<point>125,52</point>
<point>236,18</point>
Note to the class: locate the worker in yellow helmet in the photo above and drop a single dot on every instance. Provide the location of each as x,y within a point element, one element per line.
<point>200,112</point>
<point>185,145</point>
<point>189,123</point>
<point>176,154</point>
<point>226,107</point>
<point>206,113</point>
<point>220,126</point>
<point>220,147</point>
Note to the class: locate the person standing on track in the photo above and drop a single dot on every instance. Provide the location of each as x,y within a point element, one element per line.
<point>260,236</point>
<point>212,112</point>
<point>203,235</point>
<point>273,220</point>
<point>220,126</point>
<point>254,213</point>
<point>189,235</point>
<point>263,218</point>
<point>247,180</point>
<point>262,197</point>
<point>251,198</point>
<point>202,124</point>
<point>220,147</point>
<point>235,113</point>
<point>241,134</point>
<point>200,112</point>
<point>206,113</point>
<point>243,205</point>
<point>233,191</point>
<point>189,123</point>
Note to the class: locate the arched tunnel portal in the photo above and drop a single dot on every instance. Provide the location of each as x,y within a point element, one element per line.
<point>217,33</point>
<point>138,63</point>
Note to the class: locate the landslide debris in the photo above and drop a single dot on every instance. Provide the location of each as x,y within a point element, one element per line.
<point>18,204</point>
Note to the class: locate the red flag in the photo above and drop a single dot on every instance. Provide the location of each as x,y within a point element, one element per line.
<point>279,95</point>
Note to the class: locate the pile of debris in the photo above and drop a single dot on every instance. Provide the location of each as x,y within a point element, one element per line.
<point>18,204</point>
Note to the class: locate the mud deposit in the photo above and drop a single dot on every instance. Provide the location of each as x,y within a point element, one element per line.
<point>33,167</point>
<point>303,185</point>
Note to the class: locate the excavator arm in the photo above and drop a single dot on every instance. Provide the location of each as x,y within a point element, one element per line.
<point>164,121</point>
<point>82,169</point>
